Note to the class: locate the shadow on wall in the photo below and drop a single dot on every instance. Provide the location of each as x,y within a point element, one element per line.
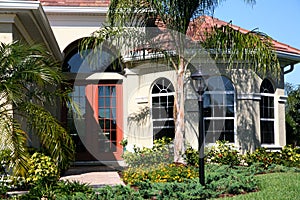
<point>247,85</point>
<point>139,128</point>
<point>246,115</point>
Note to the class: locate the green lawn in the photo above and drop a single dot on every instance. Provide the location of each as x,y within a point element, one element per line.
<point>277,186</point>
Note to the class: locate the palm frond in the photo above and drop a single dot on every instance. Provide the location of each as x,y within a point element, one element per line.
<point>14,139</point>
<point>53,137</point>
<point>253,49</point>
<point>22,67</point>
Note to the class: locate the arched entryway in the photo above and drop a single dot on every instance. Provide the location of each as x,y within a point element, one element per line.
<point>95,121</point>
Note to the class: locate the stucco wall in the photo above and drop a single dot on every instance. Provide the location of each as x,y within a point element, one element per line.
<point>138,86</point>
<point>247,108</point>
<point>70,27</point>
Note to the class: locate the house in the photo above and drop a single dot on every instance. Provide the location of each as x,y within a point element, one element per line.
<point>241,107</point>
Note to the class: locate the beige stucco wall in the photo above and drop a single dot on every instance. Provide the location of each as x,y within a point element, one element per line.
<point>247,107</point>
<point>70,27</point>
<point>137,86</point>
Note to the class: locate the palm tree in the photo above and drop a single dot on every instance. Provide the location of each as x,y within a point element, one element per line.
<point>176,16</point>
<point>30,81</point>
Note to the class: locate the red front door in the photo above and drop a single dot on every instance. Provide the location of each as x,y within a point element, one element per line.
<point>98,137</point>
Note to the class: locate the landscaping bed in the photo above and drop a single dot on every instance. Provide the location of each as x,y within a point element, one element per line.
<point>151,174</point>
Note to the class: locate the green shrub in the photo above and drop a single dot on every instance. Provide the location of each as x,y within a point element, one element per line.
<point>160,173</point>
<point>287,157</point>
<point>191,156</point>
<point>118,192</point>
<point>42,170</point>
<point>161,152</point>
<point>226,179</point>
<point>68,187</point>
<point>290,156</point>
<point>223,153</point>
<point>220,180</point>
<point>60,190</point>
<point>261,156</point>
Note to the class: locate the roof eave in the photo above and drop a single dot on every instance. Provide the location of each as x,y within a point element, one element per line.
<point>34,9</point>
<point>75,10</point>
<point>291,58</point>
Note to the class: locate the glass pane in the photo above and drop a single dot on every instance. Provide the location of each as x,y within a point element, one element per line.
<point>267,132</point>
<point>207,124</point>
<point>171,100</point>
<point>106,90</point>
<point>219,111</point>
<point>219,125</point>
<point>230,111</point>
<point>113,91</point>
<point>114,113</point>
<point>113,124</point>
<point>100,91</point>
<point>155,89</point>
<point>155,113</point>
<point>155,101</point>
<point>113,102</point>
<point>271,102</point>
<point>217,99</point>
<point>107,102</point>
<point>229,125</point>
<point>164,101</point>
<point>229,100</point>
<point>207,112</point>
<point>101,123</point>
<point>170,112</point>
<point>101,102</point>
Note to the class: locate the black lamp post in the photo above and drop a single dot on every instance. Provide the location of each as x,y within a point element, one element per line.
<point>198,84</point>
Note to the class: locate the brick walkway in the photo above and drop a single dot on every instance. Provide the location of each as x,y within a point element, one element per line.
<point>96,179</point>
<point>97,176</point>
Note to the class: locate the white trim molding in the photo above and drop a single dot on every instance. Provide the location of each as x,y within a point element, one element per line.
<point>75,10</point>
<point>250,96</point>
<point>283,99</point>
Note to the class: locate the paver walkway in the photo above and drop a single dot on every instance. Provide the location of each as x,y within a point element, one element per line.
<point>94,176</point>
<point>96,179</point>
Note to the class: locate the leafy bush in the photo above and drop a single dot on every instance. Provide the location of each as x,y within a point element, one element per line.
<point>223,153</point>
<point>290,156</point>
<point>287,157</point>
<point>117,193</point>
<point>160,173</point>
<point>67,187</point>
<point>226,179</point>
<point>220,180</point>
<point>60,190</point>
<point>161,152</point>
<point>42,170</point>
<point>191,156</point>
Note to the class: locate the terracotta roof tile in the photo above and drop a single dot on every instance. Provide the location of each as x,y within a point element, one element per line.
<point>76,3</point>
<point>197,28</point>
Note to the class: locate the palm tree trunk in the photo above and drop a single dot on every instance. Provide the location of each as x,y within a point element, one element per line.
<point>179,117</point>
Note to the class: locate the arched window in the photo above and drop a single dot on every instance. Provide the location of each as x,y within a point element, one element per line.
<point>91,61</point>
<point>267,112</point>
<point>219,110</point>
<point>162,109</point>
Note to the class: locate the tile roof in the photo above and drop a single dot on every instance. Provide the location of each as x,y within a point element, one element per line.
<point>76,3</point>
<point>197,27</point>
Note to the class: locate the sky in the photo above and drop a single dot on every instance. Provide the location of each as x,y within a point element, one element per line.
<point>278,19</point>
